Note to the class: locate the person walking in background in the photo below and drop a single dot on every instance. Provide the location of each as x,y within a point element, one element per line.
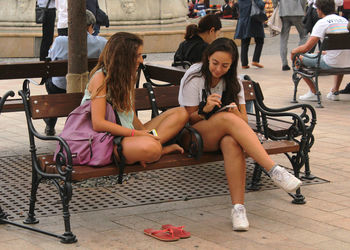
<point>248,28</point>
<point>199,8</point>
<point>59,51</point>
<point>48,27</point>
<point>291,12</point>
<point>197,38</point>
<point>62,17</point>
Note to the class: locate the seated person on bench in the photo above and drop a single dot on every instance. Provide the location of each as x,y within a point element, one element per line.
<point>113,79</point>
<point>204,88</point>
<point>329,23</point>
<point>59,51</point>
<point>197,38</point>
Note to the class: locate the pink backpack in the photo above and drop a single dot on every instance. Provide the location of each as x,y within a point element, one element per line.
<point>87,146</point>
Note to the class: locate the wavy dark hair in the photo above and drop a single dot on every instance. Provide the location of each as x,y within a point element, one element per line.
<point>118,61</point>
<point>326,6</point>
<point>205,24</point>
<point>230,78</point>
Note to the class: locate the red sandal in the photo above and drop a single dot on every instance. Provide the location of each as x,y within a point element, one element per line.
<point>163,235</point>
<point>178,231</point>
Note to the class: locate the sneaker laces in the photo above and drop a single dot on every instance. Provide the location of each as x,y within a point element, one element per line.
<point>280,175</point>
<point>240,212</point>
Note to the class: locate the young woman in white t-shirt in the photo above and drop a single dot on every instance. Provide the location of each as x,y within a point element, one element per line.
<point>216,78</point>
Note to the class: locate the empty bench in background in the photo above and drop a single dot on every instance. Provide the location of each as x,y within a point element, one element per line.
<point>331,42</point>
<point>42,69</point>
<point>62,173</point>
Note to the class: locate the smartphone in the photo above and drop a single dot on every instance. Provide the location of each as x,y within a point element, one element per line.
<point>227,107</point>
<point>153,132</point>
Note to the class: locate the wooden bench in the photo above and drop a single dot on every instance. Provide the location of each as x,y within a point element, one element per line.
<point>331,42</point>
<point>41,69</point>
<point>63,174</point>
<point>272,127</point>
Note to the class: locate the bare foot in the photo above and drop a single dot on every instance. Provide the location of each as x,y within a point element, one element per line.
<point>172,148</point>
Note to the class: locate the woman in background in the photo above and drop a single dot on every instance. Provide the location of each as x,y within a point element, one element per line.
<point>248,28</point>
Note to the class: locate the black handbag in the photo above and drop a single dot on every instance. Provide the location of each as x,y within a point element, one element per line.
<point>40,12</point>
<point>257,14</point>
<point>102,18</point>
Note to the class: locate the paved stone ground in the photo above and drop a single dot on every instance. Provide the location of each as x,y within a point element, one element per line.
<point>322,223</point>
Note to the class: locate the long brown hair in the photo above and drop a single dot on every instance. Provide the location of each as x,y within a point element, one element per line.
<point>230,78</point>
<point>118,62</point>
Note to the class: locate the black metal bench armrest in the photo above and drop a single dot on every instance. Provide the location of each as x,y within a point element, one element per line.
<point>297,127</point>
<point>306,111</point>
<point>63,160</point>
<point>4,98</point>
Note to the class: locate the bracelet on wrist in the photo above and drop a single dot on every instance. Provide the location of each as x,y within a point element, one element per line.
<point>201,113</point>
<point>132,132</point>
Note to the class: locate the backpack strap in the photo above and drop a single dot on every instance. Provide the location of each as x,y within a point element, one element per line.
<point>118,142</point>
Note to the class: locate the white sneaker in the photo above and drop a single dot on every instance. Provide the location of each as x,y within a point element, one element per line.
<point>309,96</point>
<point>239,218</point>
<point>284,179</point>
<point>334,96</point>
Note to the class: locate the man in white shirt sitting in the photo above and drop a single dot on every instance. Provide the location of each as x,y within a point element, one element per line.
<point>329,23</point>
<point>59,51</point>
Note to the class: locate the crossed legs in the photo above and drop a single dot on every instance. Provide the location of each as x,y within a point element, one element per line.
<point>145,148</point>
<point>233,136</point>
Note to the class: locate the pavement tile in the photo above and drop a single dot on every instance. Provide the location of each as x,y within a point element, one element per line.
<point>341,223</point>
<point>304,236</point>
<point>19,245</point>
<point>332,245</point>
<point>339,234</point>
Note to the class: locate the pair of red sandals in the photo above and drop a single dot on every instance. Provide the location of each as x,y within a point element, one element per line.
<point>168,233</point>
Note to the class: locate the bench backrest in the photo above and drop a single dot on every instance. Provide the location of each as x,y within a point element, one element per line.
<point>336,41</point>
<point>166,74</point>
<point>37,69</point>
<point>60,105</point>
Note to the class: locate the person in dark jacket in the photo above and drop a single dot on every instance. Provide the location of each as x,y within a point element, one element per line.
<point>248,28</point>
<point>103,20</point>
<point>197,38</point>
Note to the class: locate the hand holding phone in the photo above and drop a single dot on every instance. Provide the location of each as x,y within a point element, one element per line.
<point>225,108</point>
<point>153,132</point>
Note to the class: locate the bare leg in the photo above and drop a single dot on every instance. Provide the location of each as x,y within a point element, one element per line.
<point>168,123</point>
<point>172,148</point>
<point>337,81</point>
<point>310,84</point>
<point>225,123</point>
<point>235,168</point>
<point>140,148</point>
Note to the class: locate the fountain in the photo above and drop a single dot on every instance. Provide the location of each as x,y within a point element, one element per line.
<point>161,23</point>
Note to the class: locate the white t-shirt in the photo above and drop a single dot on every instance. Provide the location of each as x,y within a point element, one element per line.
<point>190,94</point>
<point>62,14</point>
<point>333,24</point>
<point>43,3</point>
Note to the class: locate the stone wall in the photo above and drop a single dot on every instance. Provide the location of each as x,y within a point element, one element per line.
<point>120,12</point>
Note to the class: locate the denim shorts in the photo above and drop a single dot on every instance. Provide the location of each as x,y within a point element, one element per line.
<point>312,61</point>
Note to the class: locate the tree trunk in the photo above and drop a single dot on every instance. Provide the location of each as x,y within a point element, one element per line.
<point>77,49</point>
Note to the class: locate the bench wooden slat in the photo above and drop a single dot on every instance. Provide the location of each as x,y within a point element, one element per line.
<point>13,105</point>
<point>173,160</point>
<point>166,74</point>
<point>38,69</point>
<point>58,105</point>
